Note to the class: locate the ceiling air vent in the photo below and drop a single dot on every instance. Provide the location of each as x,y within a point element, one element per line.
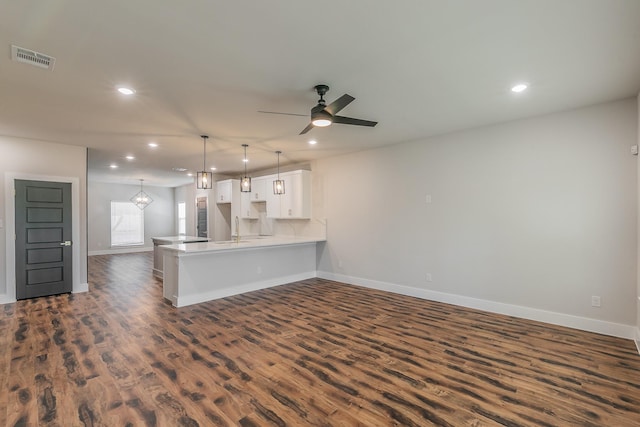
<point>27,56</point>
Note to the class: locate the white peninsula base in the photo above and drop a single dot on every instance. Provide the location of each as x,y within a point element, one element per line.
<point>201,272</point>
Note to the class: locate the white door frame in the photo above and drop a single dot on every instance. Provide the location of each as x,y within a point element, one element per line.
<point>10,230</point>
<point>206,197</point>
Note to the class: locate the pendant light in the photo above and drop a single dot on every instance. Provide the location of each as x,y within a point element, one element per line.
<point>278,184</point>
<point>245,182</point>
<point>141,199</point>
<point>204,179</point>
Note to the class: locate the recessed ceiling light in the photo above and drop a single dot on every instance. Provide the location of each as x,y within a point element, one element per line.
<point>153,145</point>
<point>189,174</point>
<point>130,158</point>
<point>520,87</point>
<point>313,142</point>
<point>245,160</point>
<point>113,166</point>
<point>213,168</point>
<point>126,90</point>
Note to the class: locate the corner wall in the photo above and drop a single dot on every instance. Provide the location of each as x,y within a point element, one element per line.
<point>637,338</point>
<point>530,218</point>
<point>24,157</point>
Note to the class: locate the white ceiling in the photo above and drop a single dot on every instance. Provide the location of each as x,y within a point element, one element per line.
<point>418,67</point>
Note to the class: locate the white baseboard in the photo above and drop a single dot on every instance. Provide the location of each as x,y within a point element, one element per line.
<point>637,339</point>
<point>5,299</point>
<point>81,287</point>
<point>576,322</point>
<point>124,250</point>
<point>236,290</point>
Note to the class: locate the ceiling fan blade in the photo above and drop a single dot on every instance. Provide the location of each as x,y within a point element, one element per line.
<point>339,104</point>
<point>285,114</point>
<point>307,129</point>
<point>350,121</point>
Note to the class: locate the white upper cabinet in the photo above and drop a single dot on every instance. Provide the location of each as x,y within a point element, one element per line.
<point>295,203</point>
<point>259,188</point>
<point>224,191</point>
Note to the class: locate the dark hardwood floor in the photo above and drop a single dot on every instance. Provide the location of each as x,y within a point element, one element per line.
<point>310,353</point>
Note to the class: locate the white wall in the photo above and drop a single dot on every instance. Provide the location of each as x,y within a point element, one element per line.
<point>638,250</point>
<point>186,194</point>
<point>537,213</point>
<point>40,160</point>
<point>159,216</point>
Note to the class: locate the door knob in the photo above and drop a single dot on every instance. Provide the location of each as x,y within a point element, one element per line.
<point>66,243</point>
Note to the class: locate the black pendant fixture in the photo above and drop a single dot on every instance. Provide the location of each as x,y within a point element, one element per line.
<point>204,179</point>
<point>278,184</point>
<point>245,182</point>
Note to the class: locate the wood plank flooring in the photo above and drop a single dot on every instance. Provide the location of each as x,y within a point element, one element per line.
<point>314,352</point>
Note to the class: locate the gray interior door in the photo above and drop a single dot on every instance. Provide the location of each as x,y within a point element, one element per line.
<point>201,216</point>
<point>43,238</point>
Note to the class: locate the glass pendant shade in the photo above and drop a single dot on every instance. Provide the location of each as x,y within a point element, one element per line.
<point>204,179</point>
<point>245,182</point>
<point>278,184</point>
<point>141,199</point>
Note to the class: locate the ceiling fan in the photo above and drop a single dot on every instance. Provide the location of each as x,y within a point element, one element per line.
<point>323,115</point>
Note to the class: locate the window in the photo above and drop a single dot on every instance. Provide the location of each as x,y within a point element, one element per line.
<point>182,218</point>
<point>127,224</point>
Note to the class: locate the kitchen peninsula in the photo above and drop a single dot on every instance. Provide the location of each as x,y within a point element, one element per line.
<point>169,240</point>
<point>199,272</point>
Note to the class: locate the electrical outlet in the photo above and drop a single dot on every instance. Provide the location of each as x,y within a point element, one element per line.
<point>259,270</point>
<point>428,198</point>
<point>429,278</point>
<point>339,263</point>
<point>595,301</point>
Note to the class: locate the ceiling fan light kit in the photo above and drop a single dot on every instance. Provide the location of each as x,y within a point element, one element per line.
<point>323,115</point>
<point>321,118</point>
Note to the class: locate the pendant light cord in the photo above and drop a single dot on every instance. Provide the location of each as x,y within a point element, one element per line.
<point>278,153</point>
<point>204,152</point>
<point>245,159</point>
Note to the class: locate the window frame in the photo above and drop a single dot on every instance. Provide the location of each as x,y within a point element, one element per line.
<point>182,220</point>
<point>140,233</point>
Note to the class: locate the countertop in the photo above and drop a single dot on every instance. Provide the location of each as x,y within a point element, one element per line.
<point>245,243</point>
<point>169,240</point>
